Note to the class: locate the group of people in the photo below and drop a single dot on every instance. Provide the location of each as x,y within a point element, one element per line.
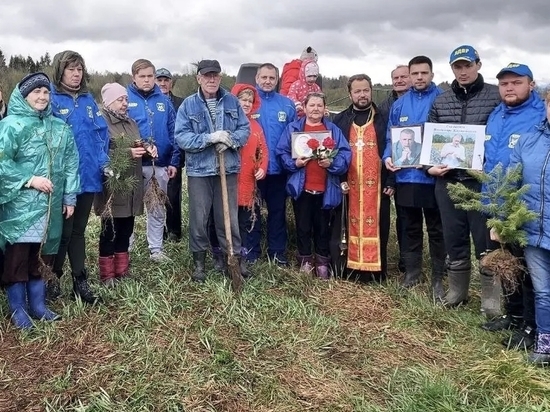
<point>58,162</point>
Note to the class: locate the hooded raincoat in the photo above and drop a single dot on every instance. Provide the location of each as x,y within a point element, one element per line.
<point>35,144</point>
<point>254,154</point>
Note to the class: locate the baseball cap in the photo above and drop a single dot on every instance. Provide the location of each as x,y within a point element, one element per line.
<point>465,52</point>
<point>516,68</point>
<point>163,73</point>
<point>209,66</point>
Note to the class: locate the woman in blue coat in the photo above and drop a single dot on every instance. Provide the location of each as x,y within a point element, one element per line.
<point>314,183</point>
<point>532,152</point>
<point>75,105</point>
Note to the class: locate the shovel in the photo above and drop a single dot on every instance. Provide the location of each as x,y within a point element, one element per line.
<point>233,265</point>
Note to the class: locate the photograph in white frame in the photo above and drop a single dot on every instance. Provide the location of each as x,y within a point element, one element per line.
<point>406,146</point>
<point>459,146</point>
<point>299,142</point>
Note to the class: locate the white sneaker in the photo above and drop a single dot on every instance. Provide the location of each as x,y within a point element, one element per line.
<point>159,257</point>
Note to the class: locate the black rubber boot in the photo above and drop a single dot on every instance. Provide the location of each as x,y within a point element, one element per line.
<point>245,271</point>
<point>504,322</point>
<point>199,274</point>
<point>53,287</point>
<point>438,272</point>
<point>413,270</point>
<point>81,288</point>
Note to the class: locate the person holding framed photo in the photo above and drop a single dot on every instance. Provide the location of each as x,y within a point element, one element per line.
<point>314,182</point>
<point>414,190</point>
<point>469,101</point>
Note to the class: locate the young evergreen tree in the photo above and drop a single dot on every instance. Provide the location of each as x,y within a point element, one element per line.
<point>502,203</point>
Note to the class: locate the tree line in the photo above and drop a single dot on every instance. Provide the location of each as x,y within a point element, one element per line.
<point>13,69</point>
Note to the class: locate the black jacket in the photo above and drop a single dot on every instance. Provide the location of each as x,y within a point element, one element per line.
<point>344,120</point>
<point>385,107</point>
<point>470,105</point>
<point>176,102</point>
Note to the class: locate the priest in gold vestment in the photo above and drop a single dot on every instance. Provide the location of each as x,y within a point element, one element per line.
<point>360,236</point>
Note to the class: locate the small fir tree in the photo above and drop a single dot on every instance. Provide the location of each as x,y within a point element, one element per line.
<point>507,213</point>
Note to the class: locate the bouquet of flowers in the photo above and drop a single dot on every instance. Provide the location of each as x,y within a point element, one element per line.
<point>322,150</point>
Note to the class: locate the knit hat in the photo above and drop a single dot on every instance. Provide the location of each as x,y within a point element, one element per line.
<point>112,91</point>
<point>311,69</point>
<point>309,53</point>
<point>33,81</point>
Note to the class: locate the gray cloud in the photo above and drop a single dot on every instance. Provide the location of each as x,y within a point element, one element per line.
<point>351,35</point>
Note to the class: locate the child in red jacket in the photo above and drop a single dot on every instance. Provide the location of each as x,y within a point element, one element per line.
<point>305,85</point>
<point>291,70</point>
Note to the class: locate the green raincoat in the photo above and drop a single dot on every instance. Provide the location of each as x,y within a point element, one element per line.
<point>35,143</point>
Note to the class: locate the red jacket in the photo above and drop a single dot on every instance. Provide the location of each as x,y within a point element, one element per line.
<point>254,154</point>
<point>291,73</point>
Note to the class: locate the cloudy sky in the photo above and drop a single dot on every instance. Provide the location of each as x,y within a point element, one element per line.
<point>351,36</point>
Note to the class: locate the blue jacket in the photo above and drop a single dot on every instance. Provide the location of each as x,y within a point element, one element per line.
<point>275,114</point>
<point>90,133</point>
<point>156,117</point>
<point>193,128</point>
<point>411,109</point>
<point>532,151</point>
<point>506,125</point>
<point>340,164</point>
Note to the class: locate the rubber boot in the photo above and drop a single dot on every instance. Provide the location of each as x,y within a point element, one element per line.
<point>17,302</point>
<point>413,269</point>
<point>122,265</point>
<point>36,293</point>
<point>107,270</point>
<point>490,296</point>
<point>322,267</point>
<point>53,287</point>
<point>245,271</point>
<point>218,258</point>
<point>306,263</point>
<point>81,288</point>
<point>199,274</point>
<point>459,283</point>
<point>438,272</point>
<point>541,355</point>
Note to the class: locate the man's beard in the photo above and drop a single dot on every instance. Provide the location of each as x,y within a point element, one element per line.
<point>516,102</point>
<point>362,105</point>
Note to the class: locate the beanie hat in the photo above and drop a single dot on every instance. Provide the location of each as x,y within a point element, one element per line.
<point>309,53</point>
<point>112,91</point>
<point>33,81</point>
<point>311,69</point>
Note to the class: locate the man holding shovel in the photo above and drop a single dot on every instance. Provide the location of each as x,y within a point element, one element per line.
<point>211,127</point>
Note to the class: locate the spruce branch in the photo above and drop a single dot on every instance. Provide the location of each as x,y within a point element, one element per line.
<point>501,201</point>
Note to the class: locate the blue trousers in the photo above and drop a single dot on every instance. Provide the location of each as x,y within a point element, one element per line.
<point>273,192</point>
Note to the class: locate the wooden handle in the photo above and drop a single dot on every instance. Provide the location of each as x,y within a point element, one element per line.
<point>225,203</point>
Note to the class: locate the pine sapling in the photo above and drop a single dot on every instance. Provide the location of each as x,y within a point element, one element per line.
<point>501,201</point>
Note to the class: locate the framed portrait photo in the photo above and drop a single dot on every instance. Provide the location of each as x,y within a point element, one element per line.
<point>302,145</point>
<point>406,146</point>
<point>460,146</point>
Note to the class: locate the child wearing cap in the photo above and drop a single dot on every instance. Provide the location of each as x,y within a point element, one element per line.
<point>38,186</point>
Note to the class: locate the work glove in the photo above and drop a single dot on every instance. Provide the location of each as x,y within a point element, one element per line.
<point>221,147</point>
<point>221,136</point>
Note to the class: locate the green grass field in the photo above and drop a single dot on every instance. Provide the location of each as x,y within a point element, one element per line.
<point>288,343</point>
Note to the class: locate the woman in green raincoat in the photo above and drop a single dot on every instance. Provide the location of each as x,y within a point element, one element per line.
<point>38,187</point>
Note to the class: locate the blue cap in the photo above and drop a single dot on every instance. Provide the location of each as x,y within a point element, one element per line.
<point>465,52</point>
<point>163,73</point>
<point>516,68</point>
